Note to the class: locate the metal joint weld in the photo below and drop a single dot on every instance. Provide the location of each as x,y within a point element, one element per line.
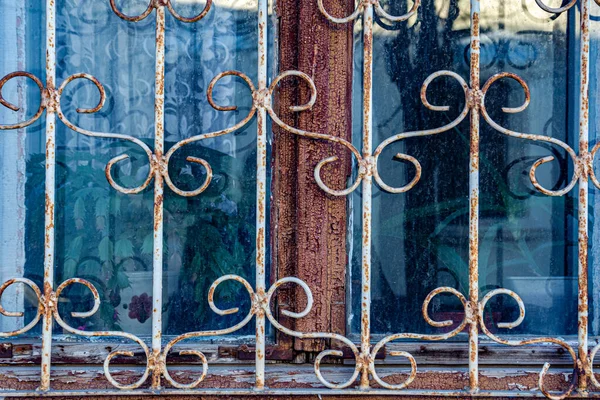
<point>159,164</point>
<point>584,164</point>
<point>259,304</point>
<point>49,302</point>
<point>261,98</point>
<point>471,312</point>
<point>583,367</point>
<point>156,362</point>
<point>474,98</point>
<point>50,99</point>
<point>364,360</point>
<point>160,3</point>
<point>366,166</point>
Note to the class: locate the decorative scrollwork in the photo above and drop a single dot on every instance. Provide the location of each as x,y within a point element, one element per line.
<point>211,297</point>
<point>590,366</point>
<point>557,10</point>
<point>590,165</point>
<point>261,303</point>
<point>18,314</point>
<point>49,303</point>
<point>343,20</point>
<point>405,135</point>
<point>312,335</point>
<point>182,143</point>
<point>313,135</point>
<point>367,165</point>
<point>136,18</point>
<point>126,190</point>
<point>124,335</point>
<point>5,103</point>
<point>218,332</point>
<point>152,4</point>
<point>415,336</point>
<point>475,99</point>
<point>192,384</point>
<point>105,135</point>
<point>181,18</point>
<point>393,18</point>
<point>360,7</point>
<point>263,99</point>
<point>469,317</point>
<point>96,83</point>
<point>514,324</point>
<point>158,165</point>
<point>152,362</point>
<point>532,172</point>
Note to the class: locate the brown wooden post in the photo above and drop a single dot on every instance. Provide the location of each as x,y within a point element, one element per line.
<point>309,226</point>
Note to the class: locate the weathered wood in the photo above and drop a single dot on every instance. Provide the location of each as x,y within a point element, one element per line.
<point>289,377</point>
<point>311,226</point>
<point>425,353</point>
<point>284,168</point>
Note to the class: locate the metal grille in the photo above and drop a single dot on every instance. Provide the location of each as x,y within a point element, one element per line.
<point>156,368</point>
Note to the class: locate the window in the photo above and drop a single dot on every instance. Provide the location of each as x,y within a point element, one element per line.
<point>323,201</point>
<point>526,238</point>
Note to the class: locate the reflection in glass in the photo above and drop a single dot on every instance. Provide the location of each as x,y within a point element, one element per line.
<point>105,236</point>
<point>528,241</point>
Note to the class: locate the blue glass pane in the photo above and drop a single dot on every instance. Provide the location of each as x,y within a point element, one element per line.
<point>527,241</point>
<point>105,236</point>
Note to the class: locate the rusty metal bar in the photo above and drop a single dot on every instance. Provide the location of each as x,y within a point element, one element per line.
<point>367,149</point>
<point>159,145</point>
<point>582,239</point>
<point>261,193</point>
<point>474,203</point>
<point>49,213</point>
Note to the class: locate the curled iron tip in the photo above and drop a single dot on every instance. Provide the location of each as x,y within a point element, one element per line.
<point>557,10</point>
<point>14,107</point>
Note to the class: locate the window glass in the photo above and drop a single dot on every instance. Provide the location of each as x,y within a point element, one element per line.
<point>528,241</point>
<point>105,236</point>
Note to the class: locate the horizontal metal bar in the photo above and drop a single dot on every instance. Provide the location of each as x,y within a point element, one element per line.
<point>293,392</point>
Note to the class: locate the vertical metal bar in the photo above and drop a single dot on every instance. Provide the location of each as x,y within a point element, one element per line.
<point>582,317</point>
<point>50,195</point>
<point>474,202</point>
<point>159,145</point>
<point>261,194</point>
<point>365,318</point>
<point>21,168</point>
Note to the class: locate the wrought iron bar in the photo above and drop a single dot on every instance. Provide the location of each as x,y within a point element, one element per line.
<point>367,149</point>
<point>261,192</point>
<point>583,230</point>
<point>472,309</point>
<point>159,146</point>
<point>49,214</point>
